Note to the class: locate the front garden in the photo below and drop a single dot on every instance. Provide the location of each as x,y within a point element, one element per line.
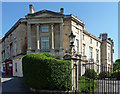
<point>43,72</point>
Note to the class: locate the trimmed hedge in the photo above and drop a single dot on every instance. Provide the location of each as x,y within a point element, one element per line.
<point>41,71</point>
<point>90,73</point>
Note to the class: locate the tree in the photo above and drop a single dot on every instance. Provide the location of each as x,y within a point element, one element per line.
<point>116,65</point>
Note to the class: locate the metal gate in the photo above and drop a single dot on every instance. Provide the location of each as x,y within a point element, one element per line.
<point>98,79</point>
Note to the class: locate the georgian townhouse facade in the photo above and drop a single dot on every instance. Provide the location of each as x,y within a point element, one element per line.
<point>48,31</point>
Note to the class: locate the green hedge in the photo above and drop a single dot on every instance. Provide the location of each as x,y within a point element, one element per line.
<point>90,73</point>
<point>41,71</point>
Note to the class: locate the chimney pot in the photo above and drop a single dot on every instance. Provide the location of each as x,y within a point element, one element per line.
<point>31,8</point>
<point>62,10</point>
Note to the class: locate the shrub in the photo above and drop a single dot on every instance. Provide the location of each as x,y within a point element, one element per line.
<point>90,73</point>
<point>116,74</point>
<point>104,74</point>
<point>86,85</point>
<point>41,71</point>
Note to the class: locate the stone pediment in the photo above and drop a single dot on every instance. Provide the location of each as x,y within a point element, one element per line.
<point>44,13</point>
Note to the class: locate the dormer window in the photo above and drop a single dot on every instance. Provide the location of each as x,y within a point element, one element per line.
<point>45,28</point>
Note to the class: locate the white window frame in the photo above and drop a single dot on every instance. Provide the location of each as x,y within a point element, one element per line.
<point>45,28</point>
<point>47,40</point>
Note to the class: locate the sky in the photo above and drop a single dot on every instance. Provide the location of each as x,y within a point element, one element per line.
<point>99,17</point>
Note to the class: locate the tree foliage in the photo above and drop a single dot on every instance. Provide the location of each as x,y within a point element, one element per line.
<point>116,65</point>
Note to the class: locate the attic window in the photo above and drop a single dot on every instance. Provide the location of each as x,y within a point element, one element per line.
<point>45,28</point>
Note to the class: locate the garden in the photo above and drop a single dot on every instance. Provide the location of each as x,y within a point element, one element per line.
<point>43,72</point>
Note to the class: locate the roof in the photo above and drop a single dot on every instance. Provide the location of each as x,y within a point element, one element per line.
<point>13,27</point>
<point>91,35</point>
<point>57,14</point>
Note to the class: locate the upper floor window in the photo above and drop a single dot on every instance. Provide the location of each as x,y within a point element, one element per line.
<point>90,41</point>
<point>97,44</point>
<point>83,49</point>
<point>45,28</point>
<point>8,51</point>
<point>15,49</point>
<point>15,67</point>
<point>91,53</point>
<point>8,39</point>
<point>3,56</point>
<point>45,42</point>
<point>83,37</point>
<point>77,45</point>
<point>15,34</point>
<point>97,55</point>
<point>97,68</point>
<point>108,56</point>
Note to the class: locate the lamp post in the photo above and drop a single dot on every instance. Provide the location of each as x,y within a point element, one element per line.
<point>74,67</point>
<point>72,39</point>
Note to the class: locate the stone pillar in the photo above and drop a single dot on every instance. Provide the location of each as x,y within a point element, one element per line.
<point>52,35</point>
<point>28,38</point>
<point>61,50</point>
<point>38,37</point>
<point>61,35</point>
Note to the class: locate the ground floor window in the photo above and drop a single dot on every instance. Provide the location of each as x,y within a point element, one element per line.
<point>15,67</point>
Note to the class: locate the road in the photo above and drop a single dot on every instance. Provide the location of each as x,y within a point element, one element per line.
<point>14,85</point>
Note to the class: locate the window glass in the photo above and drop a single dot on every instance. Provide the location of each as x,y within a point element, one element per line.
<point>97,55</point>
<point>45,28</point>
<point>16,67</point>
<point>77,45</point>
<point>8,52</point>
<point>90,53</point>
<point>83,49</point>
<point>90,41</point>
<point>15,49</point>
<point>83,36</point>
<point>15,34</point>
<point>45,42</point>
<point>97,44</point>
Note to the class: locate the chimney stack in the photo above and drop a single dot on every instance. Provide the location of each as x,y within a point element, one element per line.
<point>31,8</point>
<point>62,10</point>
<point>103,36</point>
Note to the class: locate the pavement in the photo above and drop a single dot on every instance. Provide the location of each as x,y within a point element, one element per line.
<point>14,85</point>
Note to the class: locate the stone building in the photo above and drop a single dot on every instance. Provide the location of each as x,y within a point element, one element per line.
<point>48,31</point>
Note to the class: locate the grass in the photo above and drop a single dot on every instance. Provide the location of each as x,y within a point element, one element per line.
<point>86,85</point>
